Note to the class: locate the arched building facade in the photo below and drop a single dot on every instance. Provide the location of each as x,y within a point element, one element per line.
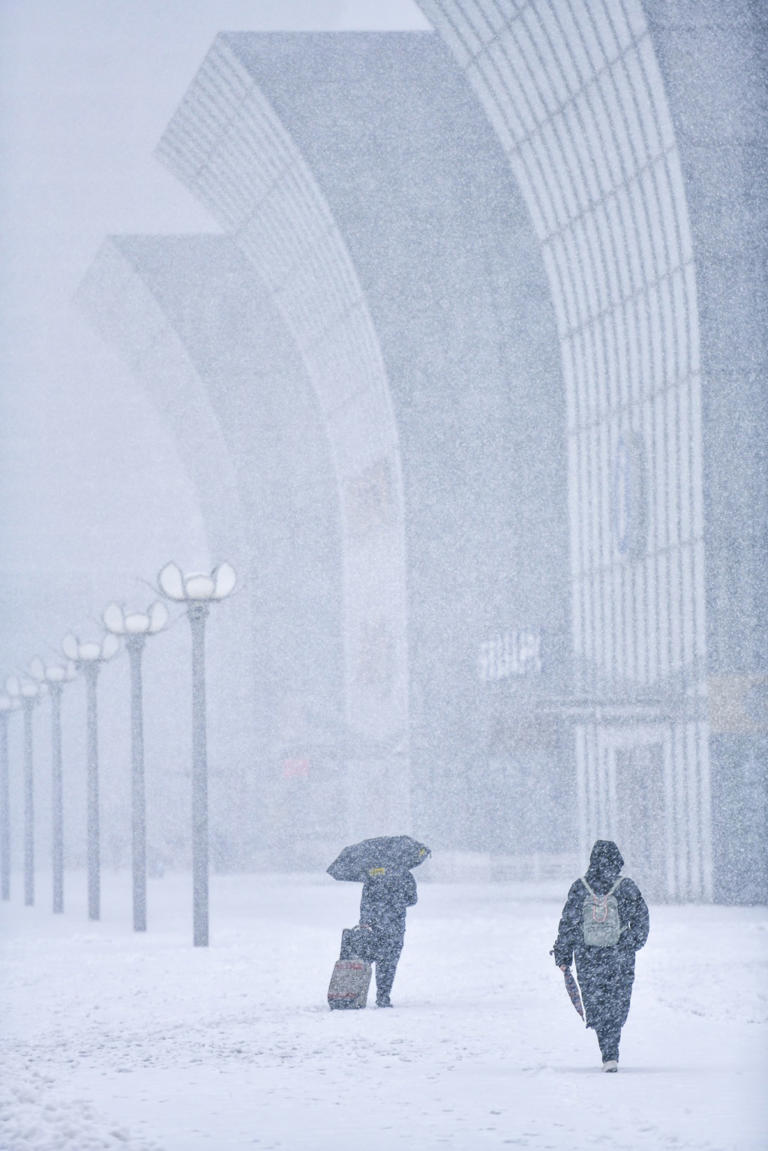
<point>575,95</point>
<point>479,249</point>
<point>624,122</point>
<point>439,506</point>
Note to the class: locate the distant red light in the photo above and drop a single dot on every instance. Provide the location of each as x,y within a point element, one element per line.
<point>295,768</point>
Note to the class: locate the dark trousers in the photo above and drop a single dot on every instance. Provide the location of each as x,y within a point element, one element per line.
<point>608,1037</point>
<point>388,948</point>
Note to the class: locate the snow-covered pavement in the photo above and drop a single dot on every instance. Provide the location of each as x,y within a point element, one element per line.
<point>142,1042</point>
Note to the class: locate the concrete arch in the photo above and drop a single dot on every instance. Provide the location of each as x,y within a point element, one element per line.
<point>135,321</point>
<point>228,145</point>
<point>203,338</point>
<point>575,95</point>
<point>130,318</point>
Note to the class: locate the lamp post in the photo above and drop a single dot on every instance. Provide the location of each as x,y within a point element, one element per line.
<point>54,676</point>
<point>198,591</point>
<point>88,658</point>
<point>27,692</point>
<point>135,627</point>
<point>7,705</point>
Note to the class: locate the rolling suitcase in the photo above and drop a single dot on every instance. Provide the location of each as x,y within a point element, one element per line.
<point>351,975</point>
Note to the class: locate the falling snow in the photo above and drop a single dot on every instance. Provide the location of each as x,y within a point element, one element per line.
<point>442,323</point>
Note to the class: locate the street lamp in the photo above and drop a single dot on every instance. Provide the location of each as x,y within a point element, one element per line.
<point>54,676</point>
<point>135,627</point>
<point>7,705</point>
<point>27,693</point>
<point>88,658</point>
<point>198,591</point>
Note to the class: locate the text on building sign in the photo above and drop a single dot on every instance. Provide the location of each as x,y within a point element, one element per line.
<point>510,653</point>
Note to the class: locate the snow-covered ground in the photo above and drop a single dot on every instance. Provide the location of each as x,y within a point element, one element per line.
<point>112,1040</point>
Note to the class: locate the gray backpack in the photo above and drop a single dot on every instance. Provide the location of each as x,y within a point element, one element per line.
<point>600,918</point>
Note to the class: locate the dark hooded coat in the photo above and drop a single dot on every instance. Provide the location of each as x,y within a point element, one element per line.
<point>606,974</point>
<point>385,899</point>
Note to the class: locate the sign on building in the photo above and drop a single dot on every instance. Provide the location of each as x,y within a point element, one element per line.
<point>511,653</point>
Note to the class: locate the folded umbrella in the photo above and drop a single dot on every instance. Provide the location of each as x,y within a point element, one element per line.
<point>572,987</point>
<point>387,852</point>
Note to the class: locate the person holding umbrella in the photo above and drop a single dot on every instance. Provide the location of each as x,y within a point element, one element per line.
<point>604,922</point>
<point>383,865</point>
<point>387,894</point>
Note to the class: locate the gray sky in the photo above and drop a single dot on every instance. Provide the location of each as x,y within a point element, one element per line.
<point>90,478</point>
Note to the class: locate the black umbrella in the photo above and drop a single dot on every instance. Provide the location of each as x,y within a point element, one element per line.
<point>387,852</point>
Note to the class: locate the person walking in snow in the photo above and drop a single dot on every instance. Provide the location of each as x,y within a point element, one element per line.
<point>604,922</point>
<point>387,894</point>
